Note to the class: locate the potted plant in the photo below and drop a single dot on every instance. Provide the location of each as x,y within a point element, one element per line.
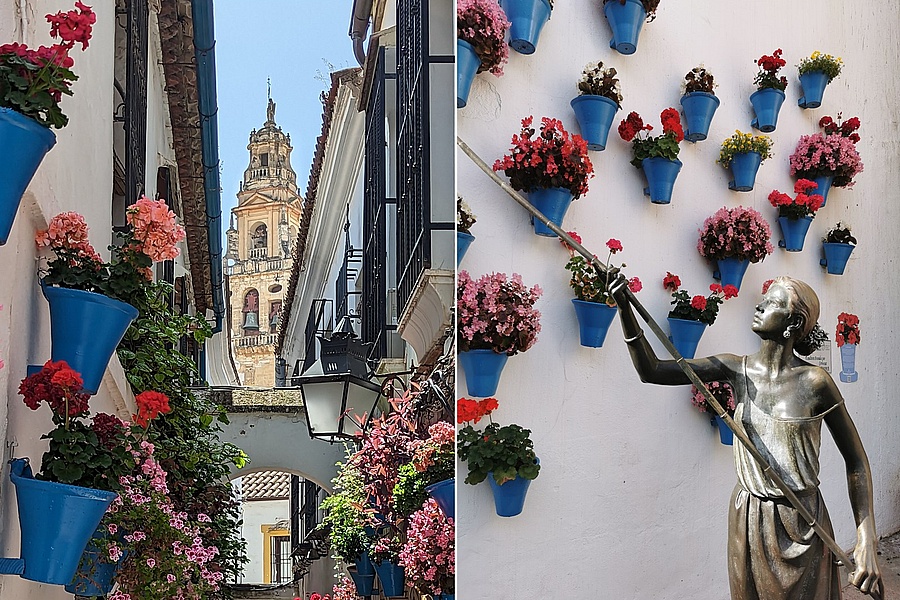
<point>553,168</point>
<point>503,455</point>
<point>657,156</point>
<point>465,218</point>
<point>743,153</point>
<point>816,72</point>
<point>838,243</point>
<point>429,552</point>
<point>691,315</point>
<point>89,310</point>
<point>430,472</point>
<point>527,18</point>
<point>626,18</point>
<point>698,102</point>
<point>829,158</point>
<point>796,214</point>
<point>594,304</point>
<point>847,336</point>
<point>496,319</point>
<point>32,84</point>
<point>600,97</point>
<point>481,28</point>
<point>769,94</point>
<point>724,394</point>
<point>734,238</point>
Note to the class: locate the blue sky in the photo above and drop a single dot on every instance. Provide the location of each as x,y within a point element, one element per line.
<point>292,42</point>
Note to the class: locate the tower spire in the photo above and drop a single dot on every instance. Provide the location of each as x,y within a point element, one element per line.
<point>270,109</point>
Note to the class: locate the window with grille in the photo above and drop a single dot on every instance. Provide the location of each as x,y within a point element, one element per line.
<point>281,559</point>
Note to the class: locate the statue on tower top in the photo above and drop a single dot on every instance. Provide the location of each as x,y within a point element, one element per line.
<point>270,111</point>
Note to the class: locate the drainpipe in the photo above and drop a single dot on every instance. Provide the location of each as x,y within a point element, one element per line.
<point>359,24</point>
<point>205,54</point>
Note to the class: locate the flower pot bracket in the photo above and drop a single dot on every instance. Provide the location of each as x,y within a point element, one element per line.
<point>15,566</point>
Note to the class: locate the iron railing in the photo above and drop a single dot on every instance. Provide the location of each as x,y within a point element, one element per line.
<point>138,14</point>
<point>319,323</point>
<point>256,266</point>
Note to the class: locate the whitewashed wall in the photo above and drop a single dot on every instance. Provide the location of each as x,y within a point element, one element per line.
<point>632,497</point>
<point>255,515</point>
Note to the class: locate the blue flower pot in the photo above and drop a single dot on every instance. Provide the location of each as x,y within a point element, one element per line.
<point>698,109</point>
<point>813,84</point>
<point>766,103</point>
<point>526,18</point>
<point>95,575</point>
<point>85,329</point>
<point>463,241</point>
<point>553,203</point>
<point>836,257</point>
<point>625,21</point>
<point>730,271</point>
<point>686,335</point>
<point>509,498</point>
<point>848,363</point>
<point>483,369</point>
<point>595,116</point>
<point>661,174</point>
<point>365,584</point>
<point>823,185</point>
<point>467,65</point>
<point>392,578</point>
<point>594,320</point>
<point>726,436</point>
<point>744,166</point>
<point>794,232</point>
<point>57,521</point>
<point>444,493</point>
<point>444,597</point>
<point>23,144</point>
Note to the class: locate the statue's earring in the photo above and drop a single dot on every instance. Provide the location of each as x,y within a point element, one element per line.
<point>788,332</point>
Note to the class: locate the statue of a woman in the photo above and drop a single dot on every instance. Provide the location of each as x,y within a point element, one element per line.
<point>781,402</point>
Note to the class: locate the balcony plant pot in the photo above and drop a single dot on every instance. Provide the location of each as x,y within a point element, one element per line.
<point>744,166</point>
<point>95,575</point>
<point>595,115</point>
<point>444,493</point>
<point>553,203</point>
<point>685,335</point>
<point>483,369</point>
<point>823,185</point>
<point>365,584</point>
<point>463,241</point>
<point>848,363</point>
<point>836,257</point>
<point>625,21</point>
<point>594,319</point>
<point>730,271</point>
<point>23,144</point>
<point>526,18</point>
<point>726,436</point>
<point>56,522</point>
<point>813,84</point>
<point>467,65</point>
<point>698,109</point>
<point>794,232</point>
<point>85,329</point>
<point>660,174</point>
<point>766,103</point>
<point>392,578</point>
<point>509,498</point>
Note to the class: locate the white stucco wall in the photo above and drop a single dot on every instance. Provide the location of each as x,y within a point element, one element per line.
<point>255,514</point>
<point>632,497</point>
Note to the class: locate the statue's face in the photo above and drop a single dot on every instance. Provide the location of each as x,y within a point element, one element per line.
<point>773,313</point>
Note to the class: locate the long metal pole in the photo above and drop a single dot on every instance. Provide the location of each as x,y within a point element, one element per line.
<point>682,363</point>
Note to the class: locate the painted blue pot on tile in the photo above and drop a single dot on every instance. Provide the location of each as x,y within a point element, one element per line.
<point>744,166</point>
<point>726,436</point>
<point>794,232</point>
<point>553,203</point>
<point>509,498</point>
<point>595,116</point>
<point>813,84</point>
<point>467,65</point>
<point>444,493</point>
<point>625,20</point>
<point>527,18</point>
<point>766,103</point>
<point>463,241</point>
<point>823,185</point>
<point>483,369</point>
<point>698,109</point>
<point>660,174</point>
<point>392,578</point>
<point>685,335</point>
<point>594,319</point>
<point>730,271</point>
<point>836,257</point>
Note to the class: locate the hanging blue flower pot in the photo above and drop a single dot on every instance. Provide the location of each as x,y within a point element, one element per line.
<point>726,436</point>
<point>56,520</point>
<point>444,493</point>
<point>553,203</point>
<point>509,498</point>
<point>730,271</point>
<point>392,578</point>
<point>848,363</point>
<point>364,565</point>
<point>661,174</point>
<point>483,369</point>
<point>625,21</point>
<point>823,184</point>
<point>813,84</point>
<point>595,116</point>
<point>467,64</point>
<point>594,319</point>
<point>766,103</point>
<point>686,335</point>
<point>23,144</point>
<point>444,597</point>
<point>365,584</point>
<point>794,232</point>
<point>96,574</point>
<point>836,257</point>
<point>463,241</point>
<point>526,18</point>
<point>744,166</point>
<point>85,329</point>
<point>698,109</point>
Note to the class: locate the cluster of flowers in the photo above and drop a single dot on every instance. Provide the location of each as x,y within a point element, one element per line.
<point>150,405</point>
<point>344,590</point>
<point>553,159</point>
<point>587,283</point>
<point>847,329</point>
<point>496,313</point>
<point>632,125</point>
<point>156,233</point>
<point>597,80</point>
<point>720,390</point>
<point>847,129</point>
<point>68,233</point>
<point>59,386</point>
<point>661,146</point>
<point>441,440</point>
<point>697,308</point>
<point>483,24</point>
<point>429,553</point>
<point>739,232</point>
<point>699,79</point>
<point>767,77</point>
<point>468,410</point>
<point>465,218</point>
<point>803,204</point>
<point>744,142</point>
<point>832,153</point>
<point>826,63</point>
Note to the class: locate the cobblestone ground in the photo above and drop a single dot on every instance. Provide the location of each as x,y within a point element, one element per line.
<point>889,561</point>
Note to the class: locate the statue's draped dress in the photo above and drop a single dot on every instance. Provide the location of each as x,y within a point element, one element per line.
<point>773,553</point>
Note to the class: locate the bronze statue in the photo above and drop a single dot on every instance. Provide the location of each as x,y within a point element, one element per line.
<point>782,400</point>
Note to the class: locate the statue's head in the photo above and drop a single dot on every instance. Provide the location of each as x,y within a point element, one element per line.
<point>801,322</point>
